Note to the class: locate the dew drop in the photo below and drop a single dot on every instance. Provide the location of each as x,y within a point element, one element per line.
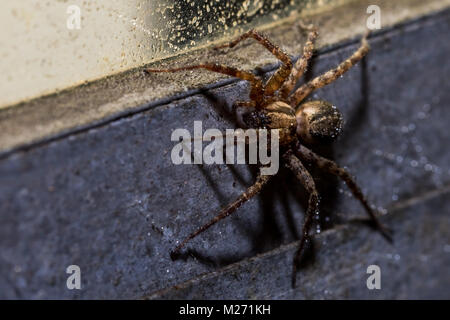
<point>421,115</point>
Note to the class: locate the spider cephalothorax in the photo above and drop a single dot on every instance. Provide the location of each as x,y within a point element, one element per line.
<point>273,105</point>
<point>277,115</point>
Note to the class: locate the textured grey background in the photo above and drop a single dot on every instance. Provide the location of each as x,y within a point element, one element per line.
<point>109,199</point>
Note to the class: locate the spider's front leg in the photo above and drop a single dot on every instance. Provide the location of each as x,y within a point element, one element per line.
<point>252,191</point>
<point>278,78</point>
<point>301,64</point>
<point>330,75</point>
<point>256,90</point>
<point>302,174</point>
<point>330,166</point>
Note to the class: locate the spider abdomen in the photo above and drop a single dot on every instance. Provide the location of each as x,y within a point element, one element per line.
<point>318,121</point>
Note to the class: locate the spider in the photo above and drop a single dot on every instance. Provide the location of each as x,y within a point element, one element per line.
<point>302,125</point>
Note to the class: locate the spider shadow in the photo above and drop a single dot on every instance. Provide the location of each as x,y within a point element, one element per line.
<point>283,190</point>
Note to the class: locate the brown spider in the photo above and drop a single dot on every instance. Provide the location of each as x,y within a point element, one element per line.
<point>273,106</point>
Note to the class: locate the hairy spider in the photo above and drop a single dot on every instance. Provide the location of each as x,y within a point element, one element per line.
<point>273,106</point>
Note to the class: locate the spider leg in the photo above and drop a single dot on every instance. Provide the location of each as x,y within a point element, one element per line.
<point>253,190</point>
<point>277,79</point>
<point>331,167</point>
<point>302,174</point>
<point>256,91</point>
<point>331,75</point>
<point>301,64</point>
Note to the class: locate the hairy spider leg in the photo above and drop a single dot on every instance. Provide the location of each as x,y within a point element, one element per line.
<point>253,190</point>
<point>302,174</point>
<point>331,75</point>
<point>301,64</point>
<point>256,83</point>
<point>246,104</point>
<point>277,79</point>
<point>330,166</point>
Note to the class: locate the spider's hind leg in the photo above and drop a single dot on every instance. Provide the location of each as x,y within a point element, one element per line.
<point>252,191</point>
<point>302,174</point>
<point>331,167</point>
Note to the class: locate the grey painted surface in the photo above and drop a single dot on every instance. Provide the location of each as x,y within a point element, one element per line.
<point>110,200</point>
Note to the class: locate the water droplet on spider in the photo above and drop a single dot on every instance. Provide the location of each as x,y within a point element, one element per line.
<point>394,197</point>
<point>428,167</point>
<point>399,159</point>
<point>397,257</point>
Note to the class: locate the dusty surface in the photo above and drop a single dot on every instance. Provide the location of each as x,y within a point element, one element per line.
<point>51,45</point>
<point>104,100</point>
<point>110,200</point>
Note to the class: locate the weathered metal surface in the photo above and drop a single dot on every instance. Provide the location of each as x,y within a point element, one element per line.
<point>110,200</point>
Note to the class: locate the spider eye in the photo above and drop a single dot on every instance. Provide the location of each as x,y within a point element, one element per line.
<point>318,121</point>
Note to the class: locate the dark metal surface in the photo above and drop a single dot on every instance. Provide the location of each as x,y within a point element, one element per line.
<point>111,201</point>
